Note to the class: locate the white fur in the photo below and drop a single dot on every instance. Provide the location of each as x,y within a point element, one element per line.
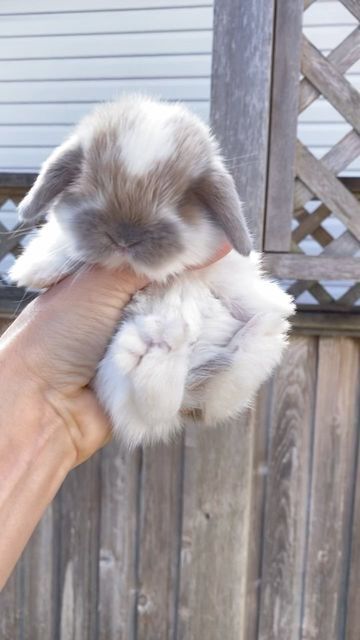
<point>227,308</point>
<point>152,140</point>
<point>142,378</point>
<point>47,258</point>
<point>228,319</point>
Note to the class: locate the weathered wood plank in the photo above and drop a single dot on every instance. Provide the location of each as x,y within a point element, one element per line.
<point>352,605</point>
<point>353,7</point>
<point>119,488</point>
<point>344,245</point>
<point>159,540</point>
<point>310,224</point>
<point>260,424</point>
<point>351,296</point>
<point>319,323</point>
<point>287,492</point>
<point>12,239</point>
<point>11,607</point>
<point>336,160</point>
<point>333,472</point>
<point>331,83</point>
<point>328,188</point>
<point>342,57</point>
<point>13,300</point>
<point>39,580</point>
<point>16,181</point>
<point>284,114</point>
<point>78,553</point>
<point>240,97</point>
<point>216,530</point>
<point>301,267</point>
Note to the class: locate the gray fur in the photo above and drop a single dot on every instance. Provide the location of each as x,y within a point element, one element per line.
<point>216,189</point>
<point>59,172</point>
<point>109,210</point>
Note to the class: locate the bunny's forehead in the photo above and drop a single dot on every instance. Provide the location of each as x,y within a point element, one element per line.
<point>139,136</point>
<point>150,140</point>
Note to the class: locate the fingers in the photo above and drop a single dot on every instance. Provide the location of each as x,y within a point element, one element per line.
<point>223,250</point>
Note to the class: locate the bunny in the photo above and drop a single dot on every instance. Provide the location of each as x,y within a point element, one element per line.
<point>141,183</point>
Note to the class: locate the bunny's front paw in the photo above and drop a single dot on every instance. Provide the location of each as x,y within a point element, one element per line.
<point>149,335</point>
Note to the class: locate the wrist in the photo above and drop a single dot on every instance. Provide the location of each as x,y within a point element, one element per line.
<point>29,423</point>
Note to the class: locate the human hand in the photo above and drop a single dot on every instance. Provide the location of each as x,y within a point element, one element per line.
<point>58,340</point>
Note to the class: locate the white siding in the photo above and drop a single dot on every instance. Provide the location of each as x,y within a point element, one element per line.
<point>59,58</point>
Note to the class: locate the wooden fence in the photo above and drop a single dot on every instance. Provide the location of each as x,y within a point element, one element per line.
<point>251,532</point>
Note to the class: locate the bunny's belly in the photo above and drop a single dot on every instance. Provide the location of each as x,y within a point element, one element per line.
<point>209,328</point>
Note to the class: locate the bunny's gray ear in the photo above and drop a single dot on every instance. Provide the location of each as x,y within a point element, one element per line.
<point>57,173</point>
<point>216,190</point>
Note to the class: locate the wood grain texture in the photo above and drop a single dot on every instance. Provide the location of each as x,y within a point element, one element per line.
<point>353,609</point>
<point>317,323</point>
<point>260,423</point>
<point>301,267</point>
<point>336,160</point>
<point>215,532</point>
<point>11,607</point>
<point>159,540</point>
<point>331,83</point>
<point>287,492</point>
<point>353,7</point>
<point>284,114</point>
<point>118,543</point>
<point>39,581</point>
<point>240,97</point>
<point>333,472</point>
<point>328,188</point>
<point>78,553</point>
<point>342,57</point>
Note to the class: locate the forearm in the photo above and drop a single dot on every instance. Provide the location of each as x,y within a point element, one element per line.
<point>36,453</point>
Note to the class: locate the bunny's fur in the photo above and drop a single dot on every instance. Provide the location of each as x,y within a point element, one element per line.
<point>142,182</point>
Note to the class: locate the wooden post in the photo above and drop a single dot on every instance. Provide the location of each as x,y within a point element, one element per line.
<point>240,97</point>
<point>218,561</point>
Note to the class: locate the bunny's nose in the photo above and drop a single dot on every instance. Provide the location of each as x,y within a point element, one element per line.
<point>129,234</point>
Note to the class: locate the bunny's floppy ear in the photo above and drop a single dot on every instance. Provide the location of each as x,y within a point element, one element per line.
<point>57,173</point>
<point>216,190</point>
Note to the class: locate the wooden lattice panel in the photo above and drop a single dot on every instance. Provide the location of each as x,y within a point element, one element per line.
<point>12,190</point>
<point>303,210</point>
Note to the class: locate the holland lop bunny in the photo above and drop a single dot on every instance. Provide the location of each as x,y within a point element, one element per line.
<point>142,183</point>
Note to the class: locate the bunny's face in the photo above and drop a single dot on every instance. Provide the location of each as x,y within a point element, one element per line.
<point>140,182</point>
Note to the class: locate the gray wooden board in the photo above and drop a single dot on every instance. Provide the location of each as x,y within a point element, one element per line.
<point>119,487</point>
<point>353,609</point>
<point>78,553</point>
<point>287,492</point>
<point>353,7</point>
<point>300,267</point>
<point>333,471</point>
<point>11,607</point>
<point>284,113</point>
<point>342,57</point>
<point>328,188</point>
<point>240,97</point>
<point>260,423</point>
<point>159,539</point>
<point>336,160</point>
<point>39,579</point>
<point>331,83</point>
<point>215,533</point>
